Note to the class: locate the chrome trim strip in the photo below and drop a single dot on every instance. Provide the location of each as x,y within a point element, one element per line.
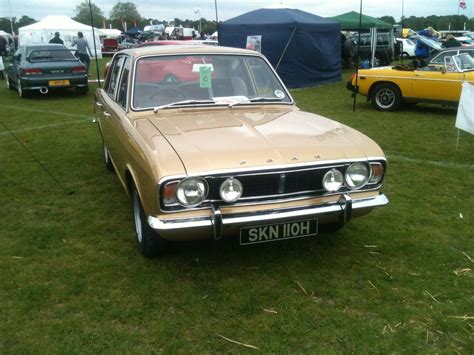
<point>413,78</point>
<point>281,167</point>
<point>262,216</point>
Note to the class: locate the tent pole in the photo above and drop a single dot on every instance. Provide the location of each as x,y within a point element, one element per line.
<point>95,46</point>
<point>358,59</point>
<point>286,47</point>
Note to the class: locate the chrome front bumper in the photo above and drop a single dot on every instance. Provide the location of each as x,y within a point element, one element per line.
<point>214,225</point>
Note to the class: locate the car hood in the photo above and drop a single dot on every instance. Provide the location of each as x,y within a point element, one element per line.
<point>239,138</point>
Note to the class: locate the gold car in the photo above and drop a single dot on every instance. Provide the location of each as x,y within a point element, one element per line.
<point>388,87</point>
<point>222,150</point>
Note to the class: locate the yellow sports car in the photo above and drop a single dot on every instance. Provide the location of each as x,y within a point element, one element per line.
<point>388,87</point>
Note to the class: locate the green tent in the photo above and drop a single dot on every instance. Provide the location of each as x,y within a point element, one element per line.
<point>350,22</point>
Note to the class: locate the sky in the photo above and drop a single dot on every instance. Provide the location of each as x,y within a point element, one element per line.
<point>186,9</point>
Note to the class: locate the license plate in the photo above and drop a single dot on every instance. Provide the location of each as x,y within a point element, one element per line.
<point>278,231</point>
<point>58,82</point>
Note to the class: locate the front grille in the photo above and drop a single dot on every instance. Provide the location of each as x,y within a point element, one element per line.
<point>275,184</point>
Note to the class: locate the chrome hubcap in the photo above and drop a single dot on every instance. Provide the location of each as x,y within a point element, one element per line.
<point>385,98</point>
<point>137,215</point>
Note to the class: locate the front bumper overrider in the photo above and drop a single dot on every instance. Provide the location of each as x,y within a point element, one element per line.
<point>219,223</point>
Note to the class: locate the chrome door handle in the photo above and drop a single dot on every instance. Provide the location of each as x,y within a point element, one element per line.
<point>98,104</point>
<point>106,114</point>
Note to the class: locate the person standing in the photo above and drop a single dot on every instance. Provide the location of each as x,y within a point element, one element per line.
<point>3,46</point>
<point>56,39</point>
<point>83,49</point>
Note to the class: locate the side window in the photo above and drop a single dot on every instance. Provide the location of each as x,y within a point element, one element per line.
<point>123,86</point>
<point>382,39</point>
<point>114,76</point>
<point>440,59</point>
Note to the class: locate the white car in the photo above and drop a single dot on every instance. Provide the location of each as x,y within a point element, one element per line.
<point>407,47</point>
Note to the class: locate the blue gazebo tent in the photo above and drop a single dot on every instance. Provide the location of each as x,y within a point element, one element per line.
<point>304,48</point>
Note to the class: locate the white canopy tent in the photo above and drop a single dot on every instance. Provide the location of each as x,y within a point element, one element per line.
<point>109,32</point>
<point>43,31</point>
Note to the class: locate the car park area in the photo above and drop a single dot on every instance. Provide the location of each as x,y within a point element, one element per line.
<point>72,276</point>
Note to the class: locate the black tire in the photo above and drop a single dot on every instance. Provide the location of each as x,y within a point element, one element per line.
<point>149,242</point>
<point>386,97</point>
<point>82,90</point>
<point>349,48</point>
<point>108,163</point>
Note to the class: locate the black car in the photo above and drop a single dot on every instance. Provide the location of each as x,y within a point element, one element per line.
<point>43,67</point>
<point>385,52</point>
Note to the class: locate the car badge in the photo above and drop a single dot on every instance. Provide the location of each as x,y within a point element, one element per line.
<point>281,185</point>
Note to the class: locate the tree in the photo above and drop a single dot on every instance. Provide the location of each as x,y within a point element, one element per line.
<point>5,24</point>
<point>388,19</point>
<point>83,15</point>
<point>124,11</point>
<point>24,21</point>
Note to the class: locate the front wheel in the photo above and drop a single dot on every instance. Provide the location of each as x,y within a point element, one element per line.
<point>386,97</point>
<point>150,244</point>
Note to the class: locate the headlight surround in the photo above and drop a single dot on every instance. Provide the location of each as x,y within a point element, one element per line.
<point>231,190</point>
<point>192,191</point>
<point>333,180</point>
<point>377,172</point>
<point>357,175</point>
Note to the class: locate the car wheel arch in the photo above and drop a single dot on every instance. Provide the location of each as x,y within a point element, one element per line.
<point>377,83</point>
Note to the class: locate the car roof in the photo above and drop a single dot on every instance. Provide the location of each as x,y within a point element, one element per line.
<point>45,46</point>
<point>187,49</point>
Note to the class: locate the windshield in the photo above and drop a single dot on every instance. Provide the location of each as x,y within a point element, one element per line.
<point>48,55</point>
<point>205,79</point>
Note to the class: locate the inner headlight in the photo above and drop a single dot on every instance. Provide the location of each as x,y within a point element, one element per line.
<point>192,191</point>
<point>231,190</point>
<point>333,180</point>
<point>357,175</point>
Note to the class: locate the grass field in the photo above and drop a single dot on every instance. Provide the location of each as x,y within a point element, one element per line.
<point>72,280</point>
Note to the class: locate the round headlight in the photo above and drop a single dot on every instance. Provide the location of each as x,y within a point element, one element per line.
<point>357,175</point>
<point>231,190</point>
<point>333,180</point>
<point>192,191</point>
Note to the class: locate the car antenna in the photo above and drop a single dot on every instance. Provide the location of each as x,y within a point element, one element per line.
<point>38,161</point>
<point>358,59</point>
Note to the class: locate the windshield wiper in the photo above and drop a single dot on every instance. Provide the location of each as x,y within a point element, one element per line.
<point>184,102</point>
<point>256,99</point>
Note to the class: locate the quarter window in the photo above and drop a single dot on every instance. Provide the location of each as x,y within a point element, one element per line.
<point>123,86</point>
<point>114,76</point>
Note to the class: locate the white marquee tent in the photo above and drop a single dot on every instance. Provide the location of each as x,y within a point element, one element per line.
<point>43,31</point>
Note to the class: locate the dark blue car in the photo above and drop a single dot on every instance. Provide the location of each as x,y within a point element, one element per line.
<point>43,67</point>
